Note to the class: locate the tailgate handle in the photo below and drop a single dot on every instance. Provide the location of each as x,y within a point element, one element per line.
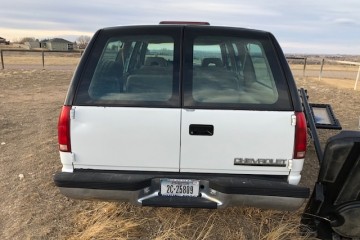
<point>202,130</point>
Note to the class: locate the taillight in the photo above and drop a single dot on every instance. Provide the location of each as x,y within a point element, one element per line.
<point>300,136</point>
<point>64,129</point>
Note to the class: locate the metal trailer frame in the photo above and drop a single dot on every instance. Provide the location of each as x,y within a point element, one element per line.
<point>333,209</point>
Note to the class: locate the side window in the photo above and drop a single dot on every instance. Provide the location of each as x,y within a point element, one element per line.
<point>164,50</point>
<point>125,54</point>
<point>261,68</point>
<point>237,57</point>
<point>112,50</point>
<point>206,52</point>
<point>135,71</point>
<point>229,57</point>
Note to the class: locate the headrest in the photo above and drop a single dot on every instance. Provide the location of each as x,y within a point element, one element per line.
<point>208,62</point>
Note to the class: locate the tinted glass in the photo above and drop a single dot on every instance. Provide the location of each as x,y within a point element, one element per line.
<point>221,79</point>
<point>133,71</point>
<point>230,72</point>
<point>222,68</point>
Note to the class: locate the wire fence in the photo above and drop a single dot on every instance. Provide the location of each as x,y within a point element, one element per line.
<point>302,67</point>
<point>30,59</point>
<point>326,68</point>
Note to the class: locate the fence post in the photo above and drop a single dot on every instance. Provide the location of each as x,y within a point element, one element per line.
<point>321,68</point>
<point>305,59</point>
<point>43,59</point>
<point>2,59</point>
<point>357,78</point>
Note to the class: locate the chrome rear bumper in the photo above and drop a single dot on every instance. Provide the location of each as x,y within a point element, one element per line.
<point>215,192</point>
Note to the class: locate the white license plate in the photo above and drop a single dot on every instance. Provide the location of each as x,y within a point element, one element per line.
<point>179,187</point>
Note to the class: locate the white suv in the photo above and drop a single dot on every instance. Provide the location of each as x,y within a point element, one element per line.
<point>183,115</point>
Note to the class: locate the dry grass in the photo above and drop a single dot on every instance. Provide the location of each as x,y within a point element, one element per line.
<point>123,221</point>
<point>343,83</point>
<point>103,222</point>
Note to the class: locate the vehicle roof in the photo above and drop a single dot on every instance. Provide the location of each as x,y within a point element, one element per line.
<point>182,25</point>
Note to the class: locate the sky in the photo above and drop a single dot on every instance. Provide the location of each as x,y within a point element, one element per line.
<point>305,26</point>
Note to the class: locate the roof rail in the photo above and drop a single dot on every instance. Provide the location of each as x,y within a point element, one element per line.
<point>184,23</point>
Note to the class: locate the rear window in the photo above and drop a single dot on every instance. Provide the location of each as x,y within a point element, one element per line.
<point>135,70</point>
<point>233,72</point>
<point>222,68</point>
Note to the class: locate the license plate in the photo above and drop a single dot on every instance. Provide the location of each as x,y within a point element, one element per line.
<point>179,187</point>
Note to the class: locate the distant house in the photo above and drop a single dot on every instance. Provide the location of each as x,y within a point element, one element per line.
<point>32,45</point>
<point>57,44</point>
<point>3,41</point>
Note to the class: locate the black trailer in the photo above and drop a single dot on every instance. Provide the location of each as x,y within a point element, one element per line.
<point>333,210</point>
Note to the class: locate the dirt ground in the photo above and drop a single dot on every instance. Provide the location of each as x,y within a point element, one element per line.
<point>31,207</point>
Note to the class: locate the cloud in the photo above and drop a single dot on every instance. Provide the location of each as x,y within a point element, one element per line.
<point>319,48</point>
<point>345,21</point>
<point>309,22</point>
<point>222,8</point>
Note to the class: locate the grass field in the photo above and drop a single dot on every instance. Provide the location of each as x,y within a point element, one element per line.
<point>31,207</point>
